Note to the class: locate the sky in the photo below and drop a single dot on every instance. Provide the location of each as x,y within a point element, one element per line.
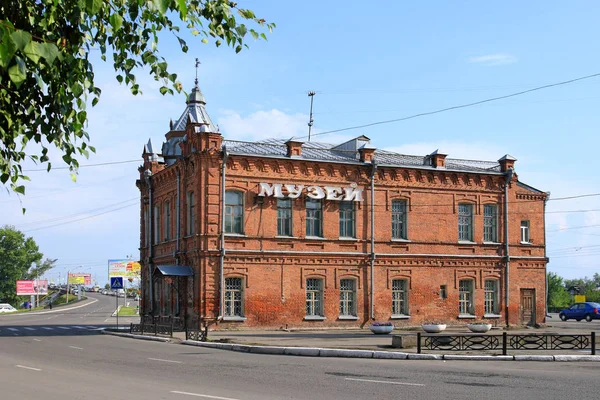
<point>367,63</point>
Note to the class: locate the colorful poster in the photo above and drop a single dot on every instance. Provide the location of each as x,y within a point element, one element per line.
<point>80,279</point>
<point>41,286</point>
<point>124,268</point>
<point>25,288</point>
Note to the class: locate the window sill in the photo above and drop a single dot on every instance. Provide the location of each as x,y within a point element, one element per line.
<point>285,237</point>
<point>348,317</point>
<point>466,242</point>
<point>314,238</point>
<point>314,318</point>
<point>491,244</point>
<point>492,316</point>
<point>349,239</point>
<point>528,243</point>
<point>240,235</point>
<point>467,316</point>
<point>400,240</point>
<point>234,319</point>
<point>401,316</point>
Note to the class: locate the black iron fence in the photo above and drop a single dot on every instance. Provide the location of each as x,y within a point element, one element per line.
<point>505,342</point>
<point>158,325</point>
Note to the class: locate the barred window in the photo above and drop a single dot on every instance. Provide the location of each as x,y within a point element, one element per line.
<point>167,234</point>
<point>234,212</point>
<point>156,224</point>
<point>314,218</point>
<point>284,217</point>
<point>525,231</point>
<point>443,292</point>
<point>146,226</point>
<point>314,297</point>
<point>490,221</point>
<point>465,297</point>
<point>234,292</point>
<point>399,219</point>
<point>347,219</point>
<point>491,296</point>
<point>465,222</point>
<point>399,297</point>
<point>347,297</point>
<point>191,216</point>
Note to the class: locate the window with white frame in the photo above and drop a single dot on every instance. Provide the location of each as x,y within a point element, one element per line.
<point>314,217</point>
<point>191,216</point>
<point>465,297</point>
<point>314,297</point>
<point>399,297</point>
<point>167,210</point>
<point>234,212</point>
<point>348,297</point>
<point>491,296</point>
<point>465,222</point>
<point>490,223</point>
<point>234,297</point>
<point>525,231</point>
<point>284,217</point>
<point>156,224</point>
<point>399,219</point>
<point>347,224</point>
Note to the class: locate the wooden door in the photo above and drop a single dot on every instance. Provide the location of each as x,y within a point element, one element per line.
<point>528,306</point>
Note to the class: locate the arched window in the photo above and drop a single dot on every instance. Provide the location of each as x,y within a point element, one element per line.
<point>234,212</point>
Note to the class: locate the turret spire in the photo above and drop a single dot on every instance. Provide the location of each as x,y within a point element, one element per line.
<point>197,65</point>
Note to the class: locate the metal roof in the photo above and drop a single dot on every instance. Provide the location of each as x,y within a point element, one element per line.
<point>195,112</point>
<point>175,270</point>
<point>315,151</point>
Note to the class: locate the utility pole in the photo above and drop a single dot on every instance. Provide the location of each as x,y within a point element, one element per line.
<point>311,94</point>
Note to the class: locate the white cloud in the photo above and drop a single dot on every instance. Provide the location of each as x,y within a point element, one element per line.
<point>262,125</point>
<point>493,59</point>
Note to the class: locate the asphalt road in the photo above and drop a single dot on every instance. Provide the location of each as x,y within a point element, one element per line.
<point>77,365</point>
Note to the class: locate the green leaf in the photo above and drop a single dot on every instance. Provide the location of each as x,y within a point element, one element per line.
<point>19,189</point>
<point>7,50</point>
<point>183,8</point>
<point>74,177</point>
<point>21,38</point>
<point>32,51</point>
<point>241,30</point>
<point>17,72</point>
<point>48,51</point>
<point>162,5</point>
<point>116,20</point>
<point>93,6</point>
<point>163,90</point>
<point>205,40</point>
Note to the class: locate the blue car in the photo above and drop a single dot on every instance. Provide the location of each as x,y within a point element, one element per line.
<point>579,311</point>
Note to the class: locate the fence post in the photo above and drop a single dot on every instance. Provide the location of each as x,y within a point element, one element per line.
<point>593,343</point>
<point>205,333</point>
<point>418,342</point>
<point>155,330</point>
<point>172,325</point>
<point>131,327</point>
<point>504,344</point>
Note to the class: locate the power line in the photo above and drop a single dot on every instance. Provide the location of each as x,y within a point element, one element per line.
<point>458,106</point>
<point>84,166</point>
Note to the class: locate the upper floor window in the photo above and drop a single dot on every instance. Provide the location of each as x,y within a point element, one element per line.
<point>234,297</point>
<point>399,219</point>
<point>146,226</point>
<point>347,297</point>
<point>490,222</point>
<point>234,212</point>
<point>314,217</point>
<point>156,224</point>
<point>191,216</point>
<point>491,296</point>
<point>284,217</point>
<point>399,297</point>
<point>347,224</point>
<point>465,222</point>
<point>314,297</point>
<point>167,211</point>
<point>525,231</point>
<point>465,297</point>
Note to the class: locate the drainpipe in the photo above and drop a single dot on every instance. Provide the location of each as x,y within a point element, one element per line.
<point>178,223</point>
<point>148,175</point>
<point>374,165</point>
<point>545,254</point>
<point>222,255</point>
<point>509,176</point>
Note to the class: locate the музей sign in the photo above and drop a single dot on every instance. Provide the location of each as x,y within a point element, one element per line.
<point>314,192</point>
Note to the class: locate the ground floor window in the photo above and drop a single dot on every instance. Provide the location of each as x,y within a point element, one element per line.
<point>347,297</point>
<point>314,297</point>
<point>399,297</point>
<point>234,291</point>
<point>491,296</point>
<point>465,297</point>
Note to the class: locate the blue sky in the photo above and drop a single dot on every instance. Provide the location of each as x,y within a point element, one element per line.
<point>367,63</point>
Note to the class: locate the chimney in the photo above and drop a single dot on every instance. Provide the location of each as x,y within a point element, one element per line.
<point>366,154</point>
<point>438,160</point>
<point>294,148</point>
<point>507,162</point>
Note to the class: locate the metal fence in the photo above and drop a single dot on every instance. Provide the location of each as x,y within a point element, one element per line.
<point>505,342</point>
<point>158,325</point>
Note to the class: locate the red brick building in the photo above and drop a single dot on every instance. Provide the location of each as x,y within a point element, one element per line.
<point>282,233</point>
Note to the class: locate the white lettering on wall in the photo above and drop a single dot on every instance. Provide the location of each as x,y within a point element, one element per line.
<point>314,192</point>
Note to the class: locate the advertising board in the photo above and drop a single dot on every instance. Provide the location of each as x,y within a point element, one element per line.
<point>28,288</point>
<point>124,268</point>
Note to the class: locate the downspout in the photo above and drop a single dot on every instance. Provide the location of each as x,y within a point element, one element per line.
<point>178,223</point>
<point>373,169</point>
<point>148,175</point>
<point>545,254</point>
<point>222,255</point>
<point>509,176</point>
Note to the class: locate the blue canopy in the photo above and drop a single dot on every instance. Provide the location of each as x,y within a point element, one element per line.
<point>175,270</point>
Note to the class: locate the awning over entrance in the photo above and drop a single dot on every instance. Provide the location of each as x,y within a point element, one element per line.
<point>175,270</point>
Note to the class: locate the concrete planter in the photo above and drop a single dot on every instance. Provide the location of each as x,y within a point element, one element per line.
<point>381,329</point>
<point>433,328</point>
<point>479,328</point>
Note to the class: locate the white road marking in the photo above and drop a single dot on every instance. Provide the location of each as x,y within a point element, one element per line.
<point>64,327</point>
<point>202,395</point>
<point>37,340</point>
<point>79,327</point>
<point>30,329</point>
<point>92,327</point>
<point>391,383</point>
<point>47,328</point>
<point>31,368</point>
<point>75,347</point>
<point>13,329</point>
<point>169,361</point>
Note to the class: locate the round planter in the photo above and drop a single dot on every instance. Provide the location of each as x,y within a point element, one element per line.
<point>479,328</point>
<point>433,328</point>
<point>381,329</point>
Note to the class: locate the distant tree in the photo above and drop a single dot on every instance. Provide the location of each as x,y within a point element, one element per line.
<point>40,269</point>
<point>17,253</point>
<point>587,287</point>
<point>558,297</point>
<point>107,286</point>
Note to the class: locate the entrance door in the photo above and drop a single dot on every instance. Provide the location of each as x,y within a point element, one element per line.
<point>528,306</point>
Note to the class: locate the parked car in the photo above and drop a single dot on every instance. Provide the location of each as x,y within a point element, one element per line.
<point>579,311</point>
<point>6,308</point>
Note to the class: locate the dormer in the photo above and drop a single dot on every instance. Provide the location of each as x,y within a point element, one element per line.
<point>294,148</point>
<point>507,162</point>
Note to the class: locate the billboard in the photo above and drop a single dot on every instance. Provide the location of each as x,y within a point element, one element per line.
<point>125,268</point>
<point>80,279</point>
<point>28,288</point>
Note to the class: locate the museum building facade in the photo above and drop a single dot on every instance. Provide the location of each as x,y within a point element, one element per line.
<point>285,233</point>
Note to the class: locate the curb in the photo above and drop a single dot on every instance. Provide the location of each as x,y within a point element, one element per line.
<point>140,337</point>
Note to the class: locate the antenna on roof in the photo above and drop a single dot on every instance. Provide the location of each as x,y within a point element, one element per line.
<point>311,94</point>
<point>197,65</point>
